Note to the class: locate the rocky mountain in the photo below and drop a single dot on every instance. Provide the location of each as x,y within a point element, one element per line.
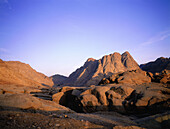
<point>94,70</point>
<point>156,66</point>
<point>58,79</point>
<point>15,72</point>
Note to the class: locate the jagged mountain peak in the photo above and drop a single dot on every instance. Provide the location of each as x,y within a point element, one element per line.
<point>94,70</point>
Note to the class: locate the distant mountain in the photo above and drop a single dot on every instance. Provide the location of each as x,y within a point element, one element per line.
<point>58,79</point>
<point>15,72</point>
<point>156,66</point>
<point>94,70</point>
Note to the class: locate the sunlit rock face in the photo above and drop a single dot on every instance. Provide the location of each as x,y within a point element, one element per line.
<point>15,72</point>
<point>94,70</point>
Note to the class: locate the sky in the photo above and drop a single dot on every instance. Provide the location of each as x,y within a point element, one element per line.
<point>58,36</point>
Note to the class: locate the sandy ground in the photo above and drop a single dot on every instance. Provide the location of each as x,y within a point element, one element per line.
<point>32,120</point>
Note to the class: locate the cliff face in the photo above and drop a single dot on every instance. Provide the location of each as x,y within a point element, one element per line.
<point>156,66</point>
<point>94,70</point>
<point>15,72</point>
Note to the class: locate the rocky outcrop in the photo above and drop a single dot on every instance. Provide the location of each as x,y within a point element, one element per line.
<point>15,72</point>
<point>129,77</point>
<point>163,77</point>
<point>156,66</point>
<point>150,98</point>
<point>94,70</point>
<point>26,101</point>
<point>58,79</point>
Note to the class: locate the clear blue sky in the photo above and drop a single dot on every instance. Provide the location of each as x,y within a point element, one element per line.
<point>57,36</point>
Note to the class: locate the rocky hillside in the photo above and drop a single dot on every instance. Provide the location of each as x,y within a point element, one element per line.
<point>94,70</point>
<point>58,79</point>
<point>15,72</point>
<point>156,66</point>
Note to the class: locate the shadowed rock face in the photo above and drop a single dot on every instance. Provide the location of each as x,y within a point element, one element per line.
<point>94,70</point>
<point>15,72</point>
<point>58,79</point>
<point>156,66</point>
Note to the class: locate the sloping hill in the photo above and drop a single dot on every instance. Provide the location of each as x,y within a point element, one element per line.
<point>94,70</point>
<point>15,72</point>
<point>58,79</point>
<point>156,66</point>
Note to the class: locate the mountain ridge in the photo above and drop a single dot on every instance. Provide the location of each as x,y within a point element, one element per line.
<point>94,70</point>
<point>19,73</point>
<point>158,65</point>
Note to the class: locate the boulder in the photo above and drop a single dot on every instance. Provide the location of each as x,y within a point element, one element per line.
<point>60,98</point>
<point>99,92</point>
<point>88,91</point>
<point>111,94</point>
<point>76,92</point>
<point>144,98</point>
<point>26,101</point>
<point>66,88</point>
<point>134,77</point>
<point>164,80</point>
<point>128,77</point>
<point>89,102</point>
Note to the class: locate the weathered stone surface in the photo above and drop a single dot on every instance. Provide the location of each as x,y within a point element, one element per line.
<point>89,102</point>
<point>59,98</point>
<point>100,93</point>
<point>111,94</point>
<point>128,77</point>
<point>66,88</point>
<point>88,91</point>
<point>26,101</point>
<point>76,92</point>
<point>122,98</point>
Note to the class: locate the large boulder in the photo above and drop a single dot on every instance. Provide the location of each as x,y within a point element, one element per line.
<point>129,77</point>
<point>60,98</point>
<point>100,93</point>
<point>144,98</point>
<point>89,102</point>
<point>26,101</point>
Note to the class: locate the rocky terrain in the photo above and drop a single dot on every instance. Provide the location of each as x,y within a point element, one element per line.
<point>94,70</point>
<point>122,96</point>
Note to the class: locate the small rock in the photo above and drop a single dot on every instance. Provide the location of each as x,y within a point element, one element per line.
<point>33,126</point>
<point>57,125</point>
<point>50,124</point>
